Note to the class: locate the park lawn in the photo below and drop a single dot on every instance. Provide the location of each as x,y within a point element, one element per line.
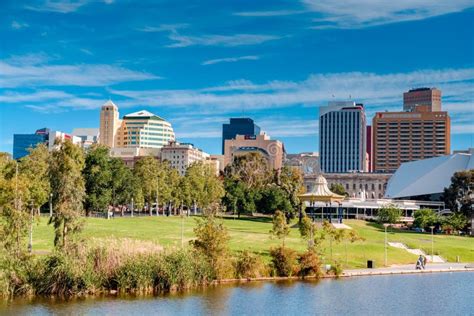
<point>253,234</point>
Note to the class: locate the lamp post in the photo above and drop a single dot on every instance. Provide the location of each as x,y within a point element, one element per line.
<point>131,215</point>
<point>432,244</point>
<point>51,205</point>
<point>386,243</point>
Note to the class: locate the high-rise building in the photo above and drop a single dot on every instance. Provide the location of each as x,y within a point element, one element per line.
<point>430,97</point>
<point>238,126</point>
<point>369,148</point>
<point>109,124</point>
<point>400,137</point>
<point>140,129</point>
<point>342,137</point>
<point>272,150</point>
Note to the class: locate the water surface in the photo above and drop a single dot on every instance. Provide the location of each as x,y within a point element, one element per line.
<point>427,294</point>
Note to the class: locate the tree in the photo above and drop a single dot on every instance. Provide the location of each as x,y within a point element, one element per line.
<point>338,189</point>
<point>457,195</point>
<point>98,179</point>
<point>389,213</point>
<point>273,198</point>
<point>280,229</point>
<point>424,218</point>
<point>147,171</point>
<point>121,182</point>
<point>455,222</point>
<point>35,168</point>
<point>290,180</point>
<point>212,240</point>
<point>67,185</point>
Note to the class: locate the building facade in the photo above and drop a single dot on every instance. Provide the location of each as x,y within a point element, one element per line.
<point>431,97</point>
<point>307,163</point>
<point>238,126</point>
<point>400,137</point>
<point>23,142</point>
<point>88,136</point>
<point>110,124</point>
<point>141,129</point>
<point>272,150</point>
<point>357,185</point>
<point>342,137</point>
<point>182,155</point>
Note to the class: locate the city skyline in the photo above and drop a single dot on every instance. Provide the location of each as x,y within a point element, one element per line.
<point>199,65</point>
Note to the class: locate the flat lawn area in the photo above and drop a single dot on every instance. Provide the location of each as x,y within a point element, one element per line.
<point>253,234</point>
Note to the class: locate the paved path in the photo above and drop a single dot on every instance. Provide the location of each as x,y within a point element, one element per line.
<point>418,252</point>
<point>341,226</point>
<point>407,269</point>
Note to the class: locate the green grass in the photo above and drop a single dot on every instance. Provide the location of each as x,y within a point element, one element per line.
<point>253,234</point>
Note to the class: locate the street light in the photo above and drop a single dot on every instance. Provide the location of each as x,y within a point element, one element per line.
<point>432,251</point>
<point>386,243</point>
<point>131,215</point>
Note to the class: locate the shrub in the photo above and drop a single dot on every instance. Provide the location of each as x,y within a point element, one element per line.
<point>336,269</point>
<point>309,264</point>
<point>14,276</point>
<point>248,265</point>
<point>283,261</point>
<point>137,274</point>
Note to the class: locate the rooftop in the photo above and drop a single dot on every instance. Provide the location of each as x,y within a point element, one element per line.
<point>143,114</point>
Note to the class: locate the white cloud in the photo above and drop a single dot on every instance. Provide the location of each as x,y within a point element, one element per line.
<point>163,28</point>
<point>30,71</point>
<point>219,40</point>
<point>363,13</point>
<point>16,25</point>
<point>228,60</point>
<point>62,6</point>
<point>86,51</point>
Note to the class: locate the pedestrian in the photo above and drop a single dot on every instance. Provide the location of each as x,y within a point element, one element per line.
<point>424,261</point>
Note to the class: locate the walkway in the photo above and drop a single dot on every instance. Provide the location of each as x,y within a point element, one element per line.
<point>340,226</point>
<point>408,269</point>
<point>418,252</point>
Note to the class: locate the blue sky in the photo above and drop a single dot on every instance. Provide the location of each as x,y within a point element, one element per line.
<point>198,63</point>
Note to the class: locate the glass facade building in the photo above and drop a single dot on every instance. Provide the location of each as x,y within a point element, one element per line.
<point>23,142</point>
<point>342,137</point>
<point>239,126</point>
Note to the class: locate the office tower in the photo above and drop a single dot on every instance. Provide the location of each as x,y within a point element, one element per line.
<point>109,124</point>
<point>182,155</point>
<point>369,148</point>
<point>238,126</point>
<point>430,97</point>
<point>400,137</point>
<point>145,130</point>
<point>342,137</point>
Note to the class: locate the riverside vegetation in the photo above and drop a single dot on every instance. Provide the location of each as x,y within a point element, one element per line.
<point>78,183</point>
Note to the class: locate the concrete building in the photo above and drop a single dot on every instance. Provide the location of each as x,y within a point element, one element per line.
<point>307,163</point>
<point>182,155</point>
<point>130,155</point>
<point>357,185</point>
<point>110,124</point>
<point>342,137</point>
<point>400,137</point>
<point>88,136</point>
<point>238,126</point>
<point>431,97</point>
<point>219,161</point>
<point>272,150</point>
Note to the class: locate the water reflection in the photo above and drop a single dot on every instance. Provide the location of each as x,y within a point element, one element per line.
<point>433,294</point>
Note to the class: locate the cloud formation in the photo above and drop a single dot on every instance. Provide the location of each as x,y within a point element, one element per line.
<point>62,6</point>
<point>228,60</point>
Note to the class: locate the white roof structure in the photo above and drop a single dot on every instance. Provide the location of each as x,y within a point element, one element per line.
<point>321,192</point>
<point>109,103</point>
<point>427,176</point>
<point>142,113</point>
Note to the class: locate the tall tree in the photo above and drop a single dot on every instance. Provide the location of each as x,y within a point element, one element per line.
<point>147,171</point>
<point>280,228</point>
<point>35,167</point>
<point>98,177</point>
<point>457,196</point>
<point>121,182</point>
<point>290,180</point>
<point>67,185</point>
<point>389,213</point>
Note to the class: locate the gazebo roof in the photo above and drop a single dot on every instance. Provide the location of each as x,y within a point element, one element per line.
<point>321,193</point>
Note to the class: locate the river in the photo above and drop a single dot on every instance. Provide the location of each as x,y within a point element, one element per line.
<point>427,294</point>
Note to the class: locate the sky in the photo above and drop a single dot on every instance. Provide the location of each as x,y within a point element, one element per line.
<point>198,63</point>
